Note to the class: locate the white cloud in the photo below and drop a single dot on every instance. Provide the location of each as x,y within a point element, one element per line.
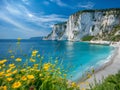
<point>59,2</point>
<point>87,5</point>
<point>22,11</point>
<point>46,21</point>
<point>21,28</point>
<point>17,24</point>
<point>51,18</point>
<point>27,2</point>
<point>14,9</point>
<point>19,16</point>
<point>30,15</point>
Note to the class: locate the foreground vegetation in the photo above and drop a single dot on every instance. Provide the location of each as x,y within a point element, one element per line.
<point>87,38</point>
<point>112,82</point>
<point>37,76</point>
<point>31,73</point>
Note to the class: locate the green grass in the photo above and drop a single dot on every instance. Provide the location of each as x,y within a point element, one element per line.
<point>112,82</point>
<point>87,38</point>
<point>116,38</point>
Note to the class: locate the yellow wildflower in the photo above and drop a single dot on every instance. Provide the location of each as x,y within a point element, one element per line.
<point>14,72</point>
<point>46,66</point>
<point>3,65</point>
<point>18,59</point>
<point>35,65</point>
<point>1,73</point>
<point>30,77</point>
<point>37,70</point>
<point>10,51</point>
<point>8,74</point>
<point>12,56</point>
<point>32,60</point>
<point>18,39</point>
<point>24,78</point>
<point>3,61</point>
<point>3,87</point>
<point>34,52</point>
<point>73,84</point>
<point>83,89</point>
<point>9,79</point>
<point>11,65</point>
<point>8,70</point>
<point>40,75</point>
<point>23,70</point>
<point>16,84</point>
<point>32,69</point>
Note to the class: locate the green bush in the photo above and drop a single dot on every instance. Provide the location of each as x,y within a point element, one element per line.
<point>112,82</point>
<point>116,38</point>
<point>87,38</point>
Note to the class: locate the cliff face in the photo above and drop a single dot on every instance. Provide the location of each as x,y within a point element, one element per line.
<point>58,31</point>
<point>86,23</point>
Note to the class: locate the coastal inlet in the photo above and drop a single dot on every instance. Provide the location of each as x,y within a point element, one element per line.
<point>75,57</point>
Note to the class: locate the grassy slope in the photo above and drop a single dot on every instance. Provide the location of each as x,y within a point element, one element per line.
<point>112,82</point>
<point>87,38</point>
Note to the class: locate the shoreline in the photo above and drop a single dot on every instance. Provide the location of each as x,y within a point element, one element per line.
<point>101,66</point>
<point>108,68</point>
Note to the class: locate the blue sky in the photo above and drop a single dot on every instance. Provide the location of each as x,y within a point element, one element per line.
<point>32,18</point>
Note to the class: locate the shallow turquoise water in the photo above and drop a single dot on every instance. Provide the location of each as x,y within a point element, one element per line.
<point>76,57</point>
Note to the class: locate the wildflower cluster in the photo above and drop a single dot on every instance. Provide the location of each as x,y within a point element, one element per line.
<point>37,76</point>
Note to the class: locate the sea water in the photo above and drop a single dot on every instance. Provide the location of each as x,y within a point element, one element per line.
<point>76,57</point>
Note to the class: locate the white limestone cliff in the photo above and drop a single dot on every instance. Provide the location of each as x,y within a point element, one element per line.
<point>87,22</point>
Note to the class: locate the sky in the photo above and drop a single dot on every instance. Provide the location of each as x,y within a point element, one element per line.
<point>34,18</point>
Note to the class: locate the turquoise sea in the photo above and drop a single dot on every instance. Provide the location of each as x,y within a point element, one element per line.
<point>76,57</point>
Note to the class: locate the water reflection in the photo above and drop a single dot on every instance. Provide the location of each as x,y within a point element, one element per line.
<point>70,50</point>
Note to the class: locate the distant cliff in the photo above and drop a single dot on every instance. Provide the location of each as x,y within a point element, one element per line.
<point>93,23</point>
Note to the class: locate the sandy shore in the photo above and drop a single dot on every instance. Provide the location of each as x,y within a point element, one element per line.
<point>100,42</point>
<point>112,67</point>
